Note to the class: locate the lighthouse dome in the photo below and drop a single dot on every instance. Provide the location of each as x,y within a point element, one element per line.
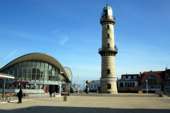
<point>107,11</point>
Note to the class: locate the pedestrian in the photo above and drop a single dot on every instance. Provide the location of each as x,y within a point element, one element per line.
<point>20,95</point>
<point>87,89</point>
<point>50,92</point>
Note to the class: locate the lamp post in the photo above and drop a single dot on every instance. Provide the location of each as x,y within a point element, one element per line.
<point>3,95</point>
<point>78,90</point>
<point>61,84</point>
<point>146,85</point>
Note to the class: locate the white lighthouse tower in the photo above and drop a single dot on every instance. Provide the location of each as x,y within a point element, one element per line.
<point>108,52</point>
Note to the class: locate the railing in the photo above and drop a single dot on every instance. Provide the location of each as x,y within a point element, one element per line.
<point>108,49</point>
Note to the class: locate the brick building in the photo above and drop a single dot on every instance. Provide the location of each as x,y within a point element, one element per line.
<point>150,81</point>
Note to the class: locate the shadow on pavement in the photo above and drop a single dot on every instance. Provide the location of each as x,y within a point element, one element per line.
<point>49,109</point>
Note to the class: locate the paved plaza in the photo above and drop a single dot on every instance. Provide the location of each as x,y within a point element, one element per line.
<point>90,104</point>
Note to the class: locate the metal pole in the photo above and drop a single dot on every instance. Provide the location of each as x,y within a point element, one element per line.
<point>147,86</point>
<point>3,95</point>
<point>78,84</point>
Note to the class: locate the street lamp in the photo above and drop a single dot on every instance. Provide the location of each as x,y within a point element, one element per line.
<point>146,85</point>
<point>61,83</point>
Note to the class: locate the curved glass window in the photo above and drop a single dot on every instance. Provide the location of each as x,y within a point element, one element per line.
<point>35,70</point>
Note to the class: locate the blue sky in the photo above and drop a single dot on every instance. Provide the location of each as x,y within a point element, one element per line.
<point>69,30</point>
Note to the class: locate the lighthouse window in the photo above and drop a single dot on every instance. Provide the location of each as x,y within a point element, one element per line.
<point>108,45</point>
<point>108,71</point>
<point>108,27</point>
<point>108,86</point>
<point>108,36</point>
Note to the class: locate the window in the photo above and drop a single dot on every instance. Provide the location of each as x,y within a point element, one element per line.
<point>126,84</point>
<point>108,71</point>
<point>53,71</point>
<point>121,84</point>
<point>108,45</point>
<point>108,35</point>
<point>129,77</point>
<point>46,66</point>
<point>134,77</point>
<point>33,73</point>
<point>133,84</point>
<point>49,67</point>
<point>38,74</point>
<point>107,26</point>
<point>108,86</point>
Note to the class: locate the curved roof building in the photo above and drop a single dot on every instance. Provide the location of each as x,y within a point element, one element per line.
<point>35,70</point>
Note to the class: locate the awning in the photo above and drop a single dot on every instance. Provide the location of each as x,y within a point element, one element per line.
<point>3,76</point>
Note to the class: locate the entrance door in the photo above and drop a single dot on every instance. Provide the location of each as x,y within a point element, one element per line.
<point>51,89</point>
<point>57,88</point>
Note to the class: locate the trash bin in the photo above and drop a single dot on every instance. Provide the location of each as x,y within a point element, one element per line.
<point>65,97</point>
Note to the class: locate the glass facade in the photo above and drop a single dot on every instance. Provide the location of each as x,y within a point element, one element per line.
<point>36,71</point>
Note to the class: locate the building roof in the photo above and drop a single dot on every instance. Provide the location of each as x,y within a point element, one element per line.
<point>37,57</point>
<point>108,10</point>
<point>149,72</point>
<point>130,75</point>
<point>157,74</point>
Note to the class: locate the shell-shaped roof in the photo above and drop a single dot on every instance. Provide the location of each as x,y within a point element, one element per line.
<point>37,57</point>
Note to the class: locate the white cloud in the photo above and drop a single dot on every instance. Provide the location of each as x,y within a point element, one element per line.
<point>64,39</point>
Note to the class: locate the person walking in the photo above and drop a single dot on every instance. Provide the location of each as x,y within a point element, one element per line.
<point>20,95</point>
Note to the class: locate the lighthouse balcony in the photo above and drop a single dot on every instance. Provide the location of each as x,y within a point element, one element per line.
<point>108,51</point>
<point>109,20</point>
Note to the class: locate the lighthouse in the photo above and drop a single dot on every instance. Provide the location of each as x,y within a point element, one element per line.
<point>108,52</point>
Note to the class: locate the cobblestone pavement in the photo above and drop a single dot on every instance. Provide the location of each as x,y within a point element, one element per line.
<point>90,104</point>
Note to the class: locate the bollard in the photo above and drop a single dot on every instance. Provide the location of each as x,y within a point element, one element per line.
<point>65,97</point>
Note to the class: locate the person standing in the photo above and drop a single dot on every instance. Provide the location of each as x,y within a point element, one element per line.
<point>20,95</point>
<point>87,87</point>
